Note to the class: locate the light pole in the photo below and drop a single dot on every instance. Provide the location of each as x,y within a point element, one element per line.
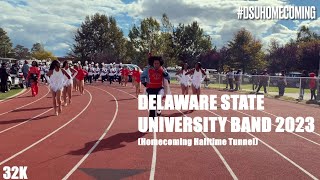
<point>318,84</point>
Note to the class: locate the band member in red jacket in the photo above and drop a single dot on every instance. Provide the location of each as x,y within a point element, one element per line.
<point>33,77</point>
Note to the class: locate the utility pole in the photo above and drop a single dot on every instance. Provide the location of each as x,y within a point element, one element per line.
<point>318,84</point>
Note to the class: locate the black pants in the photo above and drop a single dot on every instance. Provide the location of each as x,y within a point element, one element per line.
<point>111,79</point>
<point>119,79</point>
<point>264,87</point>
<point>90,79</point>
<point>103,78</point>
<point>281,87</point>
<point>3,85</point>
<point>152,113</point>
<point>313,94</point>
<point>230,83</point>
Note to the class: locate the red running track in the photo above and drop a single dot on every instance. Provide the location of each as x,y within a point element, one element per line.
<point>96,137</point>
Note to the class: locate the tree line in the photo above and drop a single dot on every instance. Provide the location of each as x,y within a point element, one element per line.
<point>99,38</point>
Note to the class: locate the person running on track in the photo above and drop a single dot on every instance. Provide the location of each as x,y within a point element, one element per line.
<point>69,83</point>
<point>33,78</point>
<point>197,79</point>
<point>57,82</point>
<point>184,79</point>
<point>153,77</point>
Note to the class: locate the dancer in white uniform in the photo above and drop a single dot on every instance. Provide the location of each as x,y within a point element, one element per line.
<point>57,82</point>
<point>198,75</point>
<point>69,82</point>
<point>184,79</point>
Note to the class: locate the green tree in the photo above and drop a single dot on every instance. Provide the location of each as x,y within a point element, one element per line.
<point>37,47</point>
<point>21,52</point>
<point>189,42</point>
<point>99,39</point>
<point>145,39</point>
<point>246,52</point>
<point>5,44</point>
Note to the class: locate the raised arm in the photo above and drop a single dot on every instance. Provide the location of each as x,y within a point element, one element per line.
<point>203,72</point>
<point>190,72</point>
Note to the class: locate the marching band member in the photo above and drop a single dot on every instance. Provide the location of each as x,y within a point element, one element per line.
<point>153,78</point>
<point>69,82</point>
<point>56,79</point>
<point>104,72</point>
<point>85,67</point>
<point>184,79</point>
<point>90,73</point>
<point>197,78</point>
<point>112,73</point>
<point>125,74</point>
<point>136,78</point>
<point>80,78</point>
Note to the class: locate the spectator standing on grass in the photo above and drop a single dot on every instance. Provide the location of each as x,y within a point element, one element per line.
<point>230,76</point>
<point>255,80</point>
<point>4,77</point>
<point>237,78</point>
<point>263,81</point>
<point>313,85</point>
<point>282,83</point>
<point>304,83</point>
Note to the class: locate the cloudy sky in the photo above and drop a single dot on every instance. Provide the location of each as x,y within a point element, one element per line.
<point>54,22</point>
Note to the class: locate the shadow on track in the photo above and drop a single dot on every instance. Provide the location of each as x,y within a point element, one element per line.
<point>110,143</point>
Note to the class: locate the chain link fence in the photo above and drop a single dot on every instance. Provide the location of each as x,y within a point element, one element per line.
<point>300,88</point>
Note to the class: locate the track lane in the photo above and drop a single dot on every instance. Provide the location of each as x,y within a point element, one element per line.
<point>285,143</point>
<point>68,145</point>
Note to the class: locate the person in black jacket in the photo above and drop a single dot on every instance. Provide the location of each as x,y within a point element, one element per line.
<point>4,77</point>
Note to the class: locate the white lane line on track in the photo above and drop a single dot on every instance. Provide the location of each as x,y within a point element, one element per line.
<point>25,121</point>
<point>26,104</point>
<point>288,132</point>
<point>23,92</point>
<point>47,136</point>
<point>279,116</point>
<point>276,151</point>
<point>153,166</point>
<point>100,139</point>
<point>154,150</point>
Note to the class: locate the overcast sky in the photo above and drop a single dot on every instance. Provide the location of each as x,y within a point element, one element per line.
<point>54,22</point>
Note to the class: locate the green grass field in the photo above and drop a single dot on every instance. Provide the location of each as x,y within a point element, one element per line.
<point>10,93</point>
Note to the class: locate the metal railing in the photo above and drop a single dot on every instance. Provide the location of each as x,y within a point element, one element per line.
<point>300,88</point>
